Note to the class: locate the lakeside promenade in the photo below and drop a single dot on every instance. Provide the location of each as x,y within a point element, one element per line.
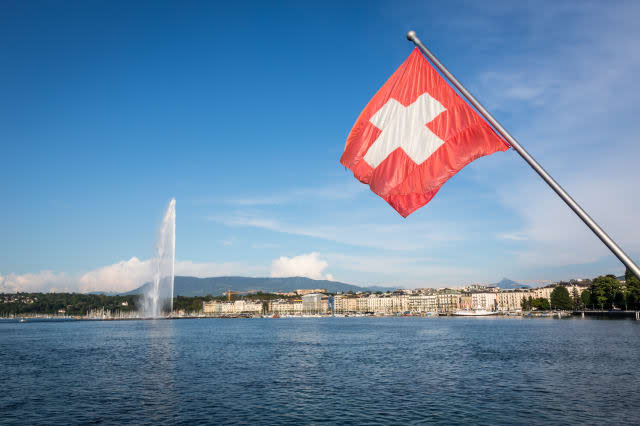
<point>133,316</point>
<point>558,300</point>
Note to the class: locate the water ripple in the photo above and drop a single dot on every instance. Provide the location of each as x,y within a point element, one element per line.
<point>319,371</point>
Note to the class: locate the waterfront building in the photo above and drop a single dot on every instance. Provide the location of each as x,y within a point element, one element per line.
<point>237,307</point>
<point>382,304</point>
<point>511,300</point>
<point>465,301</point>
<point>210,307</point>
<point>247,306</point>
<point>542,292</point>
<point>326,304</point>
<point>421,303</point>
<point>339,303</point>
<point>442,301</point>
<point>315,303</point>
<point>362,305</point>
<point>378,304</point>
<point>399,303</point>
<point>447,301</point>
<point>486,300</point>
<point>351,304</point>
<point>344,303</point>
<point>286,307</point>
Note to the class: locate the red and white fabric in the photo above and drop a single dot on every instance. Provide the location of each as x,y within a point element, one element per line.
<point>413,135</point>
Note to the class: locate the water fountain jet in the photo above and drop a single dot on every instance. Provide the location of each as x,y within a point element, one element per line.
<point>158,298</point>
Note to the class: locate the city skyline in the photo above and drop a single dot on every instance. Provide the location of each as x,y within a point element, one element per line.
<point>110,111</point>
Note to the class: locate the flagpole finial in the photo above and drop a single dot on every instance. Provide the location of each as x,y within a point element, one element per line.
<point>411,35</point>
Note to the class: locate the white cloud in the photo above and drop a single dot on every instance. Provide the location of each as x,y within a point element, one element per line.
<point>119,277</point>
<point>306,265</point>
<point>43,281</point>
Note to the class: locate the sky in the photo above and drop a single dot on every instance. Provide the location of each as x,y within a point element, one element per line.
<point>240,111</point>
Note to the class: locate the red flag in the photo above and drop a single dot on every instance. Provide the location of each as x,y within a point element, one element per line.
<point>414,134</point>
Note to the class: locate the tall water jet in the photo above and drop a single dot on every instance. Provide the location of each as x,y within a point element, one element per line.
<point>158,298</point>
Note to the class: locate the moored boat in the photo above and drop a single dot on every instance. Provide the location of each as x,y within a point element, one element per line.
<point>474,313</point>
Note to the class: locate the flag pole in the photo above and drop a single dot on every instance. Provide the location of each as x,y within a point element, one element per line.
<point>606,239</point>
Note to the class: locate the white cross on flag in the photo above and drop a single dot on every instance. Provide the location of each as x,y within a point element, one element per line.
<point>414,134</point>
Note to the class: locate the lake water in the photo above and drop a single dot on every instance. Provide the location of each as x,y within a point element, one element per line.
<point>321,370</point>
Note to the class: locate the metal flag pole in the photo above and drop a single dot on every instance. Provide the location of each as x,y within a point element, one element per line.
<point>620,254</point>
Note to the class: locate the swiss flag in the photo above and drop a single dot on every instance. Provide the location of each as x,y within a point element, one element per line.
<point>414,134</point>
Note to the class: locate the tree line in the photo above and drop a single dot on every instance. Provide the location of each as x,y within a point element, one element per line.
<point>70,303</point>
<point>606,292</point>
<point>16,304</point>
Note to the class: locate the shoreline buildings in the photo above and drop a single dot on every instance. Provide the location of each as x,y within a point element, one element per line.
<point>239,306</point>
<point>401,302</point>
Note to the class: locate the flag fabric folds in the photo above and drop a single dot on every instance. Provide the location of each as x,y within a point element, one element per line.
<point>413,135</point>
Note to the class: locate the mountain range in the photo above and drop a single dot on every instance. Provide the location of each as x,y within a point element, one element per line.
<point>216,286</point>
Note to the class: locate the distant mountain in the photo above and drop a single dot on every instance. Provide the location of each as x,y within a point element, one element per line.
<point>506,283</point>
<point>192,286</point>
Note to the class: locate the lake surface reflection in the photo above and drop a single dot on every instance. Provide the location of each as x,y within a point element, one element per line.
<point>324,370</point>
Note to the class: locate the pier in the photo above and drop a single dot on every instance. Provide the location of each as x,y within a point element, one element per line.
<point>609,314</point>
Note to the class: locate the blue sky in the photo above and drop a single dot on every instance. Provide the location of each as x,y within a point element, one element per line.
<point>240,112</point>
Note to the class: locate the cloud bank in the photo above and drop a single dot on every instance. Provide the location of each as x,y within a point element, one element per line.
<point>129,274</point>
<point>306,265</point>
<point>122,276</point>
<point>43,281</point>
<point>119,277</point>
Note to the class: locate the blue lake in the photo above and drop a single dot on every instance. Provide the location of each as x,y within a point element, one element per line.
<point>321,370</point>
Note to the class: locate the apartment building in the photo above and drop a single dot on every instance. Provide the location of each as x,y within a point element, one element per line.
<point>420,303</point>
<point>486,300</point>
<point>286,307</point>
<point>237,307</point>
<point>511,300</point>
